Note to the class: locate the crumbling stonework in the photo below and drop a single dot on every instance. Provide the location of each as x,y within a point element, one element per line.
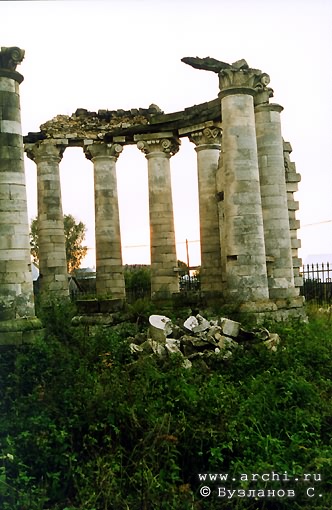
<point>292,183</point>
<point>93,126</point>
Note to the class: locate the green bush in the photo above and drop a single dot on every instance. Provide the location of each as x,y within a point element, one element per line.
<point>85,427</point>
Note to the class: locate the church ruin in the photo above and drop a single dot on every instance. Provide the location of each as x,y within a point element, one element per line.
<point>246,180</point>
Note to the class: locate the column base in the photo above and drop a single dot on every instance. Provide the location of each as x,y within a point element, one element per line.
<point>283,294</point>
<point>282,310</point>
<point>294,302</point>
<point>99,306</point>
<point>281,315</point>
<point>257,306</point>
<point>20,331</point>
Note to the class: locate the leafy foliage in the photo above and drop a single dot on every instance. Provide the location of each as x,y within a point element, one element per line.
<point>138,282</point>
<point>34,241</point>
<point>74,237</point>
<point>83,426</point>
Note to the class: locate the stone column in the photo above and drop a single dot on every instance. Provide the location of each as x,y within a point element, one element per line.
<point>207,141</point>
<point>243,247</point>
<point>109,268</point>
<point>274,203</point>
<point>18,323</point>
<point>158,149</point>
<point>53,273</point>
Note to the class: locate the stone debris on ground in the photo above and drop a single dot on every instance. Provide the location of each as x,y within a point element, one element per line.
<point>198,338</point>
<point>159,327</point>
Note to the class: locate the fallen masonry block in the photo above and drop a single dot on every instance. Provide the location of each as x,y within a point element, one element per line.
<point>195,355</point>
<point>177,332</point>
<point>135,349</point>
<point>226,343</point>
<point>186,363</point>
<point>209,339</point>
<point>229,327</point>
<point>196,324</point>
<point>153,347</point>
<point>195,341</point>
<point>254,336</point>
<point>224,354</point>
<point>160,327</point>
<point>213,330</point>
<point>172,348</point>
<point>188,349</point>
<point>173,341</point>
<point>272,342</point>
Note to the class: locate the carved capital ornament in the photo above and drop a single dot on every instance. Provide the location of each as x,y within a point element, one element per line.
<point>10,58</point>
<point>207,136</point>
<point>44,151</point>
<point>165,145</point>
<point>234,78</point>
<point>103,150</point>
<point>251,81</point>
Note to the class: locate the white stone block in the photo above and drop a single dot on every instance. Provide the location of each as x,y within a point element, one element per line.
<point>229,327</point>
<point>172,347</point>
<point>160,327</point>
<point>10,126</point>
<point>7,85</point>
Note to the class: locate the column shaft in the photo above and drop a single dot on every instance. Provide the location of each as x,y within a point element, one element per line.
<point>52,248</point>
<point>16,287</point>
<point>208,151</point>
<point>18,323</point>
<point>109,268</point>
<point>243,234</point>
<point>164,277</point>
<point>274,203</point>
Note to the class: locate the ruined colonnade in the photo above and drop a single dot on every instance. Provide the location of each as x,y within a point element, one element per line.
<point>246,183</point>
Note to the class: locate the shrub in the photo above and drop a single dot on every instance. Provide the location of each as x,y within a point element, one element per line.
<point>83,426</point>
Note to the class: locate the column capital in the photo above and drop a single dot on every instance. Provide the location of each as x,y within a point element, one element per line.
<point>45,150</point>
<point>235,78</point>
<point>10,58</point>
<point>209,136</point>
<point>262,96</point>
<point>157,146</point>
<point>244,81</point>
<point>270,107</point>
<point>103,150</point>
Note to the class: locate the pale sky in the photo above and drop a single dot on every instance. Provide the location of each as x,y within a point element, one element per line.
<point>122,54</point>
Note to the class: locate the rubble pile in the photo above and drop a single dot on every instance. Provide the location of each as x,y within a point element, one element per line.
<point>198,338</point>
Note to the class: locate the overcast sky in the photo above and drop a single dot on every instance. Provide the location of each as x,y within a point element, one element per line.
<point>126,54</point>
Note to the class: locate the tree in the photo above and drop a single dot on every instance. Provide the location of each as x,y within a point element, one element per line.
<point>34,243</point>
<point>138,281</point>
<point>74,237</point>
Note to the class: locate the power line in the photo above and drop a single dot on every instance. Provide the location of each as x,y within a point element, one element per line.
<point>317,223</point>
<point>148,245</point>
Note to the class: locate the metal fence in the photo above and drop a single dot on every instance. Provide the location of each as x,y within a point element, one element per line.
<point>317,283</point>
